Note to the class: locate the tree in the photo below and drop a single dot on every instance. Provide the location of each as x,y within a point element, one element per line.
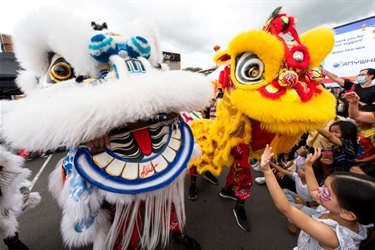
<point>192,69</point>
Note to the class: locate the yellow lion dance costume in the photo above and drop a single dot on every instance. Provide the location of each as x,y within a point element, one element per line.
<point>272,95</point>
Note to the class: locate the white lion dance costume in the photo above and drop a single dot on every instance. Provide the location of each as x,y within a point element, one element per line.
<point>15,196</point>
<point>84,83</point>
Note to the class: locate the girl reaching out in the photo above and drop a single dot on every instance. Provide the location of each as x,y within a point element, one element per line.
<point>346,205</point>
<point>343,135</point>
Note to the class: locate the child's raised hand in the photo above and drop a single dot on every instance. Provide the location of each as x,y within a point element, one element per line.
<point>311,158</point>
<point>351,97</point>
<point>266,157</point>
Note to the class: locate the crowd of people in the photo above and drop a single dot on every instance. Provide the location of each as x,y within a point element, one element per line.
<point>317,182</point>
<point>325,183</point>
<point>331,166</point>
<point>121,183</point>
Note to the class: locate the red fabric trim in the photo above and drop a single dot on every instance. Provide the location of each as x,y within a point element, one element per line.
<point>224,78</point>
<point>305,90</point>
<point>293,63</point>
<point>259,137</point>
<point>273,96</point>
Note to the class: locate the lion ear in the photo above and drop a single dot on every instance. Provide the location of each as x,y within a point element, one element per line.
<point>320,42</point>
<point>222,57</point>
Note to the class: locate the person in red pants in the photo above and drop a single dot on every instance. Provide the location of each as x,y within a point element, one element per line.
<point>238,183</point>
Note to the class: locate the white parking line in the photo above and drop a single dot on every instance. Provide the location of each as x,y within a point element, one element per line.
<point>40,172</point>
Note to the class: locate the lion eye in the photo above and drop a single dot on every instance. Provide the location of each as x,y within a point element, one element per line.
<point>61,72</point>
<point>249,69</point>
<point>253,71</point>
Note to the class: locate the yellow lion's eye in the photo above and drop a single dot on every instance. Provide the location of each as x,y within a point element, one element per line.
<point>253,71</point>
<point>61,71</point>
<point>249,69</point>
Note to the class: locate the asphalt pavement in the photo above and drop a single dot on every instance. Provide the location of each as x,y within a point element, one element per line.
<point>210,218</point>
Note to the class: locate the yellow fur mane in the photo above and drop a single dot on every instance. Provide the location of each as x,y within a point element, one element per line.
<point>287,117</point>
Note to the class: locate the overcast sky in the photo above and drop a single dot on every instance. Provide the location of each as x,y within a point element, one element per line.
<point>192,28</point>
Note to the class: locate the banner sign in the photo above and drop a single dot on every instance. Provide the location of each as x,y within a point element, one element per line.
<point>354,49</point>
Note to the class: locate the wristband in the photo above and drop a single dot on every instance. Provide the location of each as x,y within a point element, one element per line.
<point>308,204</point>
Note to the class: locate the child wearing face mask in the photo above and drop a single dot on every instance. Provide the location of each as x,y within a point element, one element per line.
<point>346,207</point>
<point>342,107</point>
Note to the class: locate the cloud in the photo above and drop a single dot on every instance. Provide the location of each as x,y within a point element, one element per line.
<point>193,28</point>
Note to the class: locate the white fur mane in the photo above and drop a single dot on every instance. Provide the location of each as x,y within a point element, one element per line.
<point>72,113</point>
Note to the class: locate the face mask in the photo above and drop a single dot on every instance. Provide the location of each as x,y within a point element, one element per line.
<point>361,79</point>
<point>340,108</point>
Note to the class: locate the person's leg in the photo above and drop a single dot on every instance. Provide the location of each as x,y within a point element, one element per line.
<point>14,243</point>
<point>184,239</point>
<point>291,196</point>
<point>308,210</point>
<point>208,176</point>
<point>287,183</point>
<point>242,179</point>
<point>193,190</point>
<point>227,190</point>
<point>179,236</point>
<point>240,215</point>
<point>254,163</point>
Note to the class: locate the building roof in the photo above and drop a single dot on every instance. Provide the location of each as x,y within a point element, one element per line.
<point>8,72</point>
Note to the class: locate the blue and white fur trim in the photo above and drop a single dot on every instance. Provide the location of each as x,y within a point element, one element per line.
<point>138,46</point>
<point>101,47</point>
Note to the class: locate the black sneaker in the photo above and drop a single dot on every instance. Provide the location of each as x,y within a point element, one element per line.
<point>241,218</point>
<point>208,176</point>
<point>227,194</point>
<point>187,241</point>
<point>192,193</point>
<point>14,243</point>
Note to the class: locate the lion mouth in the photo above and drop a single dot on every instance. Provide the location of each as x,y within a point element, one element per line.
<point>142,140</point>
<point>142,156</point>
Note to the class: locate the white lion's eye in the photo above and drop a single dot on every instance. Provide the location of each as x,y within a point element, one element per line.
<point>61,71</point>
<point>249,69</point>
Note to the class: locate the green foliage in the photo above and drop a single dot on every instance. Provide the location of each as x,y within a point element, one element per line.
<point>192,69</point>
